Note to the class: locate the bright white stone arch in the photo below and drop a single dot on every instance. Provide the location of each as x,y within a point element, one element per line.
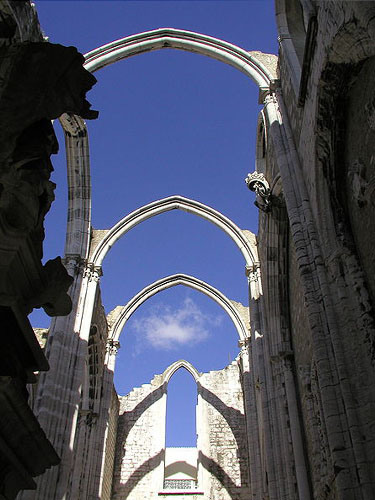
<point>174,280</point>
<point>255,65</point>
<point>161,38</point>
<point>165,205</point>
<point>182,363</point>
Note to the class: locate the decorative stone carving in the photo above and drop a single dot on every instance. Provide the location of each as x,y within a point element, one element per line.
<point>244,345</point>
<point>74,264</point>
<point>93,273</point>
<point>257,182</point>
<point>56,82</point>
<point>253,272</point>
<point>112,347</point>
<point>38,82</point>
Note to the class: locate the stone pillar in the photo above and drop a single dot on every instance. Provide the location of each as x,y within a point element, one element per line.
<point>59,391</point>
<point>295,429</point>
<point>251,416</point>
<point>322,318</point>
<point>262,396</point>
<point>103,423</point>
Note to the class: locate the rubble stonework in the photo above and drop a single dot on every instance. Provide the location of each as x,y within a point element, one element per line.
<point>223,469</point>
<point>222,440</point>
<point>139,457</point>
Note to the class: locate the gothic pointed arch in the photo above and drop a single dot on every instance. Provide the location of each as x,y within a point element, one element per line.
<point>175,202</point>
<point>181,363</point>
<point>247,62</point>
<point>261,68</point>
<point>174,280</point>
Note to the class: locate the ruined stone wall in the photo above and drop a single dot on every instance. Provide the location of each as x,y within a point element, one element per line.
<point>330,281</point>
<point>110,448</point>
<point>92,419</point>
<point>39,81</point>
<point>222,440</point>
<point>358,183</point>
<point>300,330</point>
<point>139,457</point>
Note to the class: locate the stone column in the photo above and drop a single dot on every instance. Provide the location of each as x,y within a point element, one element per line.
<point>255,469</point>
<point>109,366</point>
<point>325,336</point>
<point>59,391</point>
<point>260,382</point>
<point>295,429</point>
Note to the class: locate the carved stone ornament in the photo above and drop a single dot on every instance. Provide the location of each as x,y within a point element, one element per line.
<point>112,347</point>
<point>257,182</point>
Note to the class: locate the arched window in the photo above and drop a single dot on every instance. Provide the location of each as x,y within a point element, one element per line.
<point>296,26</point>
<point>180,467</point>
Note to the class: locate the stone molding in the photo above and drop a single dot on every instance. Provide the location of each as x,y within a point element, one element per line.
<point>182,363</point>
<point>141,214</point>
<point>174,280</point>
<point>253,64</point>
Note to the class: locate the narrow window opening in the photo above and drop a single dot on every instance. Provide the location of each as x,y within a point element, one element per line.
<point>180,468</point>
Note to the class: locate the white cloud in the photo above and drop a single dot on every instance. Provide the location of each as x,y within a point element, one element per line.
<point>166,328</point>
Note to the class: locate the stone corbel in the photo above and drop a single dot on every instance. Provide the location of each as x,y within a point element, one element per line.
<point>244,344</point>
<point>253,272</point>
<point>74,264</point>
<point>257,182</point>
<point>112,347</point>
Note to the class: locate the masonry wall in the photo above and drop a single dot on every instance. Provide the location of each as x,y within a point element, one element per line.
<point>330,278</point>
<point>139,457</point>
<point>222,440</point>
<point>110,449</point>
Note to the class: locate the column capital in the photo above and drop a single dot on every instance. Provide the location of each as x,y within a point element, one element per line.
<point>253,272</point>
<point>286,356</point>
<point>92,272</point>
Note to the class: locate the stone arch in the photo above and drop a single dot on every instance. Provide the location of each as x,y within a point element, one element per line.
<point>174,280</point>
<point>172,203</point>
<point>296,26</point>
<point>244,61</point>
<point>344,83</point>
<point>346,71</point>
<point>284,21</point>
<point>182,363</point>
<point>261,68</point>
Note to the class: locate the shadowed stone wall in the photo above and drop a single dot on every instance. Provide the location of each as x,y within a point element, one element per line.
<point>222,440</point>
<point>110,448</point>
<point>139,457</point>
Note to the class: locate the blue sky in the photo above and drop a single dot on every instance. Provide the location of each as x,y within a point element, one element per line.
<point>170,122</point>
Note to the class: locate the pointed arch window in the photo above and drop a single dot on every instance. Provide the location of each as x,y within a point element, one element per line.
<point>181,455</point>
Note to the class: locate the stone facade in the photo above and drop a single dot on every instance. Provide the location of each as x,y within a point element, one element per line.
<point>139,459</point>
<point>222,439</point>
<point>221,457</point>
<point>293,417</point>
